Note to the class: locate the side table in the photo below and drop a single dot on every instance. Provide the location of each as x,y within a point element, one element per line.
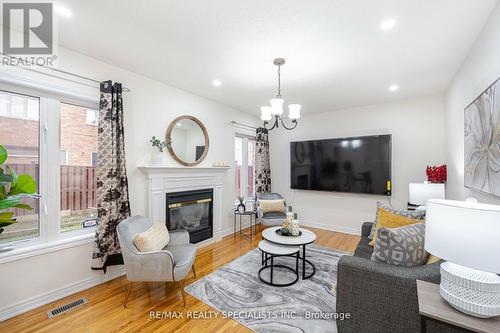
<point>432,306</point>
<point>253,223</point>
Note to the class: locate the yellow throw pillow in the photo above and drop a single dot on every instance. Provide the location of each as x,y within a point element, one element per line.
<point>153,239</point>
<point>272,206</point>
<point>387,219</point>
<point>432,259</point>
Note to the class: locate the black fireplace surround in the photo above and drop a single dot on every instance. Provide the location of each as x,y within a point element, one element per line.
<point>191,211</point>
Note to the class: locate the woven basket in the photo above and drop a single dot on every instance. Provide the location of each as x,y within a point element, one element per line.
<point>471,291</point>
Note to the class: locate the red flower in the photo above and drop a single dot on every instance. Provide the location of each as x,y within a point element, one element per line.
<point>436,174</point>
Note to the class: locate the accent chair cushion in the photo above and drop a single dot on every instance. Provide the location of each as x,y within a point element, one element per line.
<point>388,219</point>
<point>153,239</point>
<point>272,206</point>
<point>403,246</point>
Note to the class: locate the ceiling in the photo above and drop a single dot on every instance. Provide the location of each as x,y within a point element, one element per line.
<point>336,54</point>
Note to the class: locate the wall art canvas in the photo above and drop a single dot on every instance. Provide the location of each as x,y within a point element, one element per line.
<point>482,142</point>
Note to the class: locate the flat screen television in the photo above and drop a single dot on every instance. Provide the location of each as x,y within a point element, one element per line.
<point>357,165</point>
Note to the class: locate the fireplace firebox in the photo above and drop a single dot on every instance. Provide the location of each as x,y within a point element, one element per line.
<point>191,211</point>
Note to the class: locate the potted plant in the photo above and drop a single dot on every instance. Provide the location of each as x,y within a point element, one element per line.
<point>158,158</point>
<point>13,189</point>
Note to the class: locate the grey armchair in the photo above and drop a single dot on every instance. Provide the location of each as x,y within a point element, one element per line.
<point>270,219</point>
<point>172,263</point>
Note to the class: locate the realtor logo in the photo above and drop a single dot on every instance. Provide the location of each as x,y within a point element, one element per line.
<point>35,22</point>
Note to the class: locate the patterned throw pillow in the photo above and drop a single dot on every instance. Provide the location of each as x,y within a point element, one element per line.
<point>402,246</point>
<point>412,214</point>
<point>153,239</point>
<point>272,206</point>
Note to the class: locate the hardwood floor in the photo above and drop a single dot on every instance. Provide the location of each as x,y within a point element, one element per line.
<point>105,313</point>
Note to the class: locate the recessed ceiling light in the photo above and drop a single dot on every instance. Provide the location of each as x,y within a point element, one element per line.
<point>62,11</point>
<point>388,24</point>
<point>393,87</point>
<point>216,83</point>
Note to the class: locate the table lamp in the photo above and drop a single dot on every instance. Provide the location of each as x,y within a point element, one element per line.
<point>467,235</point>
<point>419,193</point>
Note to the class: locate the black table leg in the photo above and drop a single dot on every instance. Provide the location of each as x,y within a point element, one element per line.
<point>297,264</point>
<point>272,265</point>
<point>304,262</point>
<point>423,324</point>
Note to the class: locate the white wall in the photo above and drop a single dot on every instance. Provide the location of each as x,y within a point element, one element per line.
<point>148,110</point>
<point>480,70</point>
<point>417,128</point>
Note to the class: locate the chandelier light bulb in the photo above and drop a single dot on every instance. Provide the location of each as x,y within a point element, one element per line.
<point>277,106</point>
<point>265,113</point>
<point>294,111</point>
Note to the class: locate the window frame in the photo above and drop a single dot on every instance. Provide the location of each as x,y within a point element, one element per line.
<point>245,135</point>
<point>50,237</point>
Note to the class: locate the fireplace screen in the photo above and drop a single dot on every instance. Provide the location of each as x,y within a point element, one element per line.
<point>191,211</point>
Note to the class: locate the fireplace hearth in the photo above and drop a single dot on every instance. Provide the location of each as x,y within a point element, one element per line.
<point>191,211</point>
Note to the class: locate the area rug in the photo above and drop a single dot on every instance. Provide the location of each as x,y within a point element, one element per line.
<point>307,306</point>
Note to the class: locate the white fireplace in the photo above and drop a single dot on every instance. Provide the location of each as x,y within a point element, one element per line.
<point>163,180</point>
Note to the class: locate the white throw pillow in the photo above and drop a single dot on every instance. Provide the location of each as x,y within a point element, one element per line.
<point>153,239</point>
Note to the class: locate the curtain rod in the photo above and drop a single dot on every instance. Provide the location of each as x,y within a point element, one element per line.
<point>244,125</point>
<point>125,89</point>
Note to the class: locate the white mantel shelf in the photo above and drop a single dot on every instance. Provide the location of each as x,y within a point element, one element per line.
<point>153,171</point>
<point>167,179</point>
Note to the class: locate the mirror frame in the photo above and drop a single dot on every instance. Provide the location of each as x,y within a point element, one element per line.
<point>169,140</point>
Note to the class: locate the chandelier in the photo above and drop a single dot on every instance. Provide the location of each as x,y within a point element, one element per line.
<point>275,110</point>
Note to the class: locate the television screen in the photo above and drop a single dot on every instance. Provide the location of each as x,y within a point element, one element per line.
<point>357,165</point>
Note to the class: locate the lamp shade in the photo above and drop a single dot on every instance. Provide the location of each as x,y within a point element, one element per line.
<point>265,113</point>
<point>419,193</point>
<point>294,111</point>
<point>464,233</point>
<point>276,106</point>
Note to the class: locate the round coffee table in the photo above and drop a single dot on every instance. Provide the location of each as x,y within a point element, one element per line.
<point>307,237</point>
<point>272,250</point>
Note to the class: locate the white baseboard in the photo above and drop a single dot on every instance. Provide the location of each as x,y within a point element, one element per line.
<point>56,294</point>
<point>230,231</point>
<point>345,230</point>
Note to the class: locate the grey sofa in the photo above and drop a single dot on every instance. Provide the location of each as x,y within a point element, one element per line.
<point>173,263</point>
<point>270,219</point>
<point>381,298</point>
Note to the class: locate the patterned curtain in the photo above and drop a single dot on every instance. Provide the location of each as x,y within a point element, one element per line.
<point>112,186</point>
<point>262,162</point>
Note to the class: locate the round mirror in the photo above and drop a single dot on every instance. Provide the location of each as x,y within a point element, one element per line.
<point>187,140</point>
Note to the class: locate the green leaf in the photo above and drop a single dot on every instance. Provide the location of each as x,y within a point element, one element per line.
<point>6,218</point>
<point>10,201</point>
<point>3,155</point>
<point>24,184</point>
<point>3,193</point>
<point>24,206</point>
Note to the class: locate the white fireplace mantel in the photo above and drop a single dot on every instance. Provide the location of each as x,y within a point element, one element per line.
<point>164,179</point>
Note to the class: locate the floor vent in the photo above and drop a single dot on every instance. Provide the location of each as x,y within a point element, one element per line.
<point>66,307</point>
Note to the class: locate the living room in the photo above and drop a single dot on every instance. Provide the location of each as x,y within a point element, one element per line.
<point>266,166</point>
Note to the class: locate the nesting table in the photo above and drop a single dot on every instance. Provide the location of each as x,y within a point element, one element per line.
<point>306,237</point>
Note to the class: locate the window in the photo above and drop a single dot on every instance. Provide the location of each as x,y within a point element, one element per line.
<point>21,139</point>
<point>50,140</point>
<point>19,106</point>
<point>64,157</point>
<point>91,117</point>
<point>93,160</point>
<point>78,175</point>
<point>244,157</point>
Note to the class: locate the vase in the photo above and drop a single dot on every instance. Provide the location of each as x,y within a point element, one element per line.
<point>159,158</point>
<point>295,227</point>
